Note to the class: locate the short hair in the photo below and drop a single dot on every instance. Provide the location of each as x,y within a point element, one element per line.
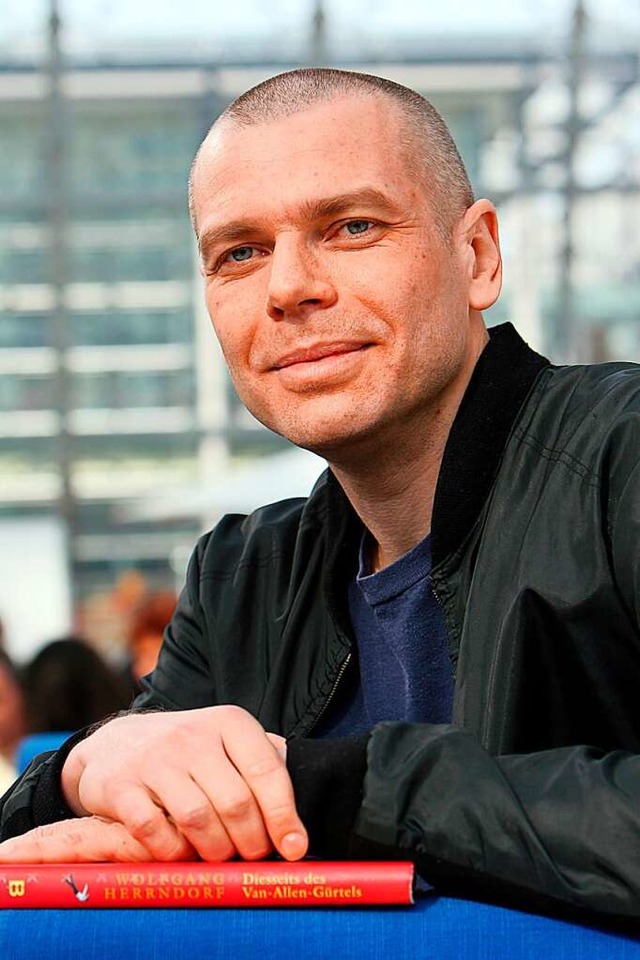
<point>292,92</point>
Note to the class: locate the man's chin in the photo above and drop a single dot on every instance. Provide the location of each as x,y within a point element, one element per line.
<point>331,434</point>
<point>335,446</point>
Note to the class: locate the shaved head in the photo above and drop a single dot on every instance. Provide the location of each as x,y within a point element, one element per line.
<point>428,145</point>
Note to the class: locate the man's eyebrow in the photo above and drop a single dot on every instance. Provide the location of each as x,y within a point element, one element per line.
<point>232,232</point>
<point>238,230</point>
<point>340,203</point>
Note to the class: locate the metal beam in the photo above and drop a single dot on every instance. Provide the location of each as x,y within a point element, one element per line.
<point>57,204</point>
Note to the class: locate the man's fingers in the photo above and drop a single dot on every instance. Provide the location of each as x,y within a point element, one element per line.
<point>192,816</point>
<point>81,840</point>
<point>280,743</point>
<point>147,821</point>
<point>261,766</point>
<point>237,809</point>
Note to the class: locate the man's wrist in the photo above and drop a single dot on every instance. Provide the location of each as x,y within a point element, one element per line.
<point>49,803</point>
<point>70,780</point>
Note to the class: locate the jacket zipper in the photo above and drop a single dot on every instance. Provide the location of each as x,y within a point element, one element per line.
<point>341,671</point>
<point>453,656</point>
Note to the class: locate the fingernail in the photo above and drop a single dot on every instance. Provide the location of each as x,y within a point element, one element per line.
<point>293,844</point>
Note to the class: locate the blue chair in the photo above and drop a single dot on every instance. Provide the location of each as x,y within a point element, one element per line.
<point>36,743</point>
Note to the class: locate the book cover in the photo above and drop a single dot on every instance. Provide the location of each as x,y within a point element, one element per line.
<point>306,883</point>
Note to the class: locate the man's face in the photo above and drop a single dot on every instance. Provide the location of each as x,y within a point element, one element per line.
<point>342,313</point>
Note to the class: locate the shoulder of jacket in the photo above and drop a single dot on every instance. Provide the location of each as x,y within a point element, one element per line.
<point>597,395</point>
<point>618,381</point>
<point>261,536</point>
<point>584,416</point>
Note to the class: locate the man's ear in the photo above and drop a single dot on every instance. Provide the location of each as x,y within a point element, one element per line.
<point>479,234</point>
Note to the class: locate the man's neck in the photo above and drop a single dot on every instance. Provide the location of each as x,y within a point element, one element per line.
<point>393,492</point>
<point>392,488</point>
<point>395,505</point>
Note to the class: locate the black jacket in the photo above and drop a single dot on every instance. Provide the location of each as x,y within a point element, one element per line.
<point>532,796</point>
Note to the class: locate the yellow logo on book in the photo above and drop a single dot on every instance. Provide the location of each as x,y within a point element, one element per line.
<point>16,888</point>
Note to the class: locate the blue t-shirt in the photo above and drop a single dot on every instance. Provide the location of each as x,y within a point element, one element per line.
<point>405,671</point>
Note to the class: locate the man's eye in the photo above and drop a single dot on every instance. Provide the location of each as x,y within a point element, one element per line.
<point>240,254</point>
<point>356,227</point>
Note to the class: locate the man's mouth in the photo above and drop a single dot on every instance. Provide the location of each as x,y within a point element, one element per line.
<point>319,351</point>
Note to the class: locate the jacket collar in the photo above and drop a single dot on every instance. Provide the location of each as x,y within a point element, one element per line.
<point>500,383</point>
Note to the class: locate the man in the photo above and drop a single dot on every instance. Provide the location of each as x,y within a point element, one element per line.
<point>437,654</point>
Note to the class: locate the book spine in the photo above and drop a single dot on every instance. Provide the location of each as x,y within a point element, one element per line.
<point>230,884</point>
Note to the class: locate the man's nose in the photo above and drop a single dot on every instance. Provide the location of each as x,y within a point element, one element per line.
<point>298,283</point>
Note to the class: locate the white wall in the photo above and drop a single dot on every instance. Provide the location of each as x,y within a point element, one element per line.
<point>35,598</point>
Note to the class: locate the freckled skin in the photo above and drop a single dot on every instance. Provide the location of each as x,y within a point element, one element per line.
<point>388,286</point>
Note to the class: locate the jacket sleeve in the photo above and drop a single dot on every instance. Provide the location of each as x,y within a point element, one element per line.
<point>36,797</point>
<point>623,510</point>
<point>182,678</point>
<point>556,831</point>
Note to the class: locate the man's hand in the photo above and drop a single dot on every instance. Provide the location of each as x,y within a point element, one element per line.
<point>86,840</point>
<point>212,777</point>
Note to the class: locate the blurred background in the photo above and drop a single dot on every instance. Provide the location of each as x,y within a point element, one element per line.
<point>121,438</point>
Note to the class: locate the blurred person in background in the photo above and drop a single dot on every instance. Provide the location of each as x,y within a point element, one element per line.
<point>68,685</point>
<point>12,717</point>
<point>149,619</point>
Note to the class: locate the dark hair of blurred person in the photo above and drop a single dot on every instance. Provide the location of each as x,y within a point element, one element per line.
<point>68,685</point>
<point>12,715</point>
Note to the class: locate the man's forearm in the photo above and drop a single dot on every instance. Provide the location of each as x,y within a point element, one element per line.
<point>556,831</point>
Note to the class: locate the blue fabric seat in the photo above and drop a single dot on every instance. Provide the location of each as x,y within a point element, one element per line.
<point>436,928</point>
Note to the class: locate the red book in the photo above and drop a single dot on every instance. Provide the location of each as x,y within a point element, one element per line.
<point>306,883</point>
